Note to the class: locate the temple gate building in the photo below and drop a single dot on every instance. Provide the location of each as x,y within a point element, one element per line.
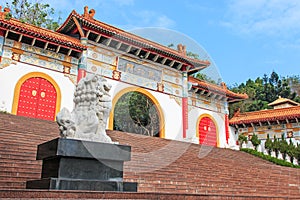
<point>283,119</point>
<point>39,69</point>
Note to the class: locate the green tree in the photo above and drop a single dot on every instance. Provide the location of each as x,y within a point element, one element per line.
<point>188,53</point>
<point>268,145</point>
<point>283,147</point>
<point>297,153</point>
<point>276,146</point>
<point>255,141</point>
<point>34,12</point>
<point>192,55</point>
<point>291,151</point>
<point>263,91</point>
<point>136,113</point>
<point>242,139</point>
<point>204,77</point>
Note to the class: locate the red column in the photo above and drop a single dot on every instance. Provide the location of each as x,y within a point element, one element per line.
<point>82,65</point>
<point>1,43</point>
<point>184,115</point>
<point>227,127</point>
<point>81,74</point>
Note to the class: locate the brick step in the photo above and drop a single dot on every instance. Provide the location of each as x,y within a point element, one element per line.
<point>26,172</point>
<point>24,140</point>
<point>14,158</point>
<point>12,185</point>
<point>12,121</point>
<point>30,145</point>
<point>125,195</point>
<point>19,175</point>
<point>21,170</point>
<point>212,190</point>
<point>34,132</point>
<point>231,184</point>
<point>19,179</point>
<point>24,137</point>
<point>18,156</point>
<point>16,151</point>
<point>20,163</point>
<point>36,129</point>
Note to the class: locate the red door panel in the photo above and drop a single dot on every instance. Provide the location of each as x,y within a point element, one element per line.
<point>207,132</point>
<point>37,99</point>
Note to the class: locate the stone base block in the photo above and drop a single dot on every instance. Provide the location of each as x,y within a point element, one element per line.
<point>91,185</point>
<point>70,164</point>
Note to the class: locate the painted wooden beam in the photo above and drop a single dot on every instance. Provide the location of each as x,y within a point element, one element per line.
<point>46,45</point>
<point>119,45</point>
<point>80,30</point>
<point>98,38</point>
<point>20,38</point>
<point>33,42</point>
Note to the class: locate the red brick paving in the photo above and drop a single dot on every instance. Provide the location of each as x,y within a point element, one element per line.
<point>164,169</point>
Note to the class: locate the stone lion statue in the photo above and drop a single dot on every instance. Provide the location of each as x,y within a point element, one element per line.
<point>88,119</point>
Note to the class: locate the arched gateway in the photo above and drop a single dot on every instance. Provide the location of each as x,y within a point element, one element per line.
<point>151,123</point>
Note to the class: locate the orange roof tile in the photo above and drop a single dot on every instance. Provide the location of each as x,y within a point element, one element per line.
<point>42,33</point>
<point>123,35</point>
<point>266,115</point>
<point>200,84</point>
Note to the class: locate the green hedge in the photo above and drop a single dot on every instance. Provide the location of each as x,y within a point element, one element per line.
<point>270,158</point>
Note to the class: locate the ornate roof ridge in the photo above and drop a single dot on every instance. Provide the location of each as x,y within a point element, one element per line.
<point>132,36</point>
<point>35,31</point>
<point>266,115</point>
<point>214,87</point>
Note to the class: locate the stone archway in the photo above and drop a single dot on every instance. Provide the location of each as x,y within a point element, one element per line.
<point>136,110</point>
<point>38,96</point>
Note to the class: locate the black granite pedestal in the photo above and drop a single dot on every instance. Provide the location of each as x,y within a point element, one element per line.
<point>70,164</point>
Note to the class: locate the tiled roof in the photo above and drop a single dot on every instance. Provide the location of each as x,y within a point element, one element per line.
<point>266,115</point>
<point>42,33</point>
<point>124,36</point>
<point>281,100</point>
<point>221,90</point>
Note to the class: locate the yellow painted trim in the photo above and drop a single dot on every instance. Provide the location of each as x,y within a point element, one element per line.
<point>214,121</point>
<point>18,51</point>
<point>31,75</point>
<point>149,95</point>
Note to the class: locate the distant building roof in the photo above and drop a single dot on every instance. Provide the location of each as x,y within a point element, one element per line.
<point>281,101</point>
<point>266,115</point>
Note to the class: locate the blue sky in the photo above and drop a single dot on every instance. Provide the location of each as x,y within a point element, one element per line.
<point>244,38</point>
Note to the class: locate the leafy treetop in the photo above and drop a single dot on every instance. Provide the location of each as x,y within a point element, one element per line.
<point>33,12</point>
<point>264,90</point>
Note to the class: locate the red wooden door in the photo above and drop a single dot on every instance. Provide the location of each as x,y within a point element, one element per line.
<point>37,99</point>
<point>207,132</point>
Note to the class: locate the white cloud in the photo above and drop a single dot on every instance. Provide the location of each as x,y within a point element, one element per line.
<point>164,21</point>
<point>124,2</point>
<point>148,18</point>
<point>279,18</point>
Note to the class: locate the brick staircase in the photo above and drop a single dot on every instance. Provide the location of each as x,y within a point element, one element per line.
<point>160,166</point>
<point>19,137</point>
